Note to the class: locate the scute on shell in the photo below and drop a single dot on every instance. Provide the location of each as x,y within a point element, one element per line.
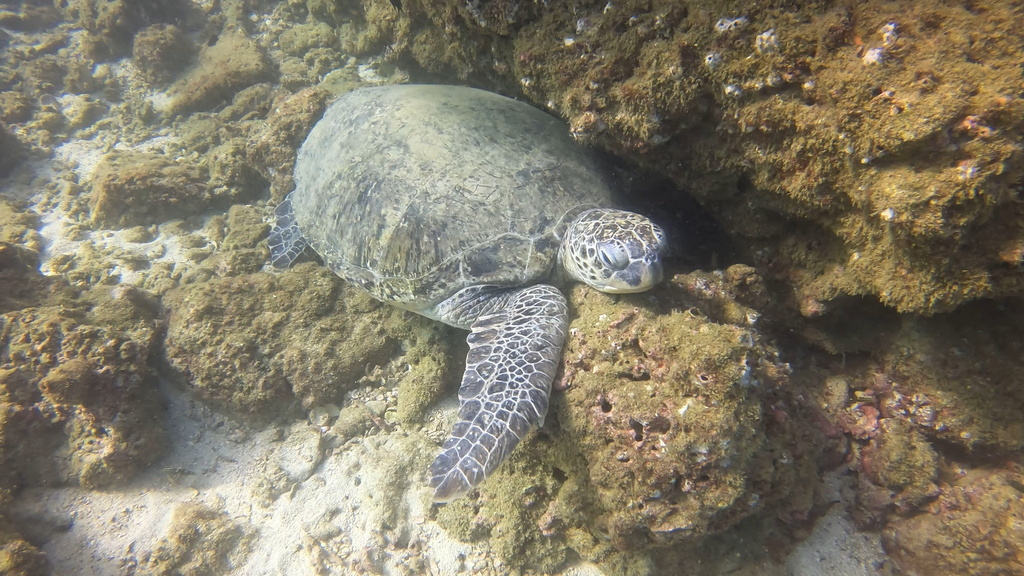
<point>414,192</point>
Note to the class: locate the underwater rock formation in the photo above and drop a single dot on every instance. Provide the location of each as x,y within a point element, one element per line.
<point>255,343</point>
<point>857,150</point>
<point>675,424</point>
<point>78,400</point>
<point>110,24</point>
<point>937,396</point>
<point>857,154</point>
<point>973,529</point>
<point>17,556</point>
<point>199,540</point>
<point>957,377</point>
<point>233,63</point>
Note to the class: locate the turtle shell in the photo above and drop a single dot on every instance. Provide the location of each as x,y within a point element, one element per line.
<point>417,191</point>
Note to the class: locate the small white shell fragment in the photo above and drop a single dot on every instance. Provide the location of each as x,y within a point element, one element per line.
<point>731,24</point>
<point>873,56</point>
<point>889,35</point>
<point>766,42</point>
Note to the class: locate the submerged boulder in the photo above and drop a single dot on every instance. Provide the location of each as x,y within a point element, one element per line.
<point>675,424</point>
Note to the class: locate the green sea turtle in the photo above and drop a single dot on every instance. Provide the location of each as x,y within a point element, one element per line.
<point>465,206</point>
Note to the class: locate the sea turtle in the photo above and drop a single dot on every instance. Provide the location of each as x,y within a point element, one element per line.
<point>465,206</point>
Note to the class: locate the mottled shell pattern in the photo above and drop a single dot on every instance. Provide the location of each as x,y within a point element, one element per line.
<point>415,192</point>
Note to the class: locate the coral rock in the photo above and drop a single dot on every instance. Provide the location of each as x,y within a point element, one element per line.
<point>233,63</point>
<point>133,188</point>
<point>973,529</point>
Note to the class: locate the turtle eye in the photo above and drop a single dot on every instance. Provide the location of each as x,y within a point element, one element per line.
<point>613,256</point>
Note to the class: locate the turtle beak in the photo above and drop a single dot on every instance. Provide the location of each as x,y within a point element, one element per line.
<point>639,276</point>
<point>655,272</point>
<point>650,271</point>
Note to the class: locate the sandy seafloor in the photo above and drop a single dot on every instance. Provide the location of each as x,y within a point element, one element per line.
<point>215,461</point>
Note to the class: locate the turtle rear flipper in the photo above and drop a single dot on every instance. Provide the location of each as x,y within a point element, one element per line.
<point>285,240</point>
<point>512,360</point>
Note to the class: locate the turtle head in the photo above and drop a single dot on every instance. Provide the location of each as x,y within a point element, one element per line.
<point>613,251</point>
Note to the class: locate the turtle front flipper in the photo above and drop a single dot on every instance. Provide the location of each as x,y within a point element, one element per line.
<point>513,356</point>
<point>285,240</point>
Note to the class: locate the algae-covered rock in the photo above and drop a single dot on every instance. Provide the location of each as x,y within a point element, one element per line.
<point>272,147</point>
<point>132,188</point>
<point>865,150</point>
<point>28,17</point>
<point>18,557</point>
<point>10,151</point>
<point>901,460</point>
<point>256,343</point>
<point>299,40</point>
<point>675,424</point>
<point>973,529</point>
<point>935,389</point>
<point>21,285</point>
<point>232,173</point>
<point>81,111</point>
<point>129,188</point>
<point>234,62</point>
<point>958,376</point>
<point>14,107</point>
<point>312,51</point>
<point>430,371</point>
<point>161,51</point>
<point>18,226</point>
<point>200,540</point>
<point>111,24</point>
<point>240,239</point>
<point>78,400</point>
<point>670,412</point>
